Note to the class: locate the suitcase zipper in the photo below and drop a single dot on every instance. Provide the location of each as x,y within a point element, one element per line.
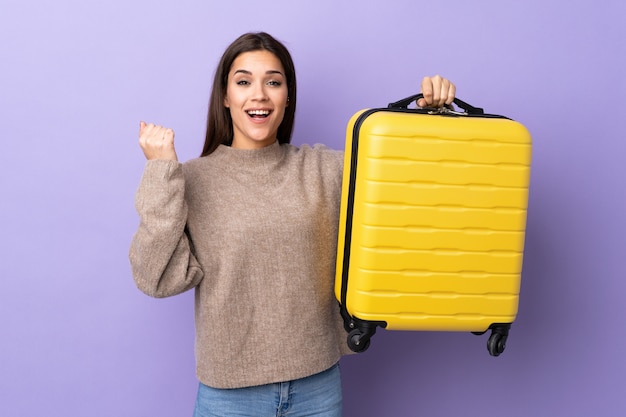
<point>350,205</point>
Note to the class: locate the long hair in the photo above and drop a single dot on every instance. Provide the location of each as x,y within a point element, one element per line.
<point>219,123</point>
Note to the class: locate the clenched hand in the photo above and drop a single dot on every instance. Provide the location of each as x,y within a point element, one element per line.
<point>157,142</point>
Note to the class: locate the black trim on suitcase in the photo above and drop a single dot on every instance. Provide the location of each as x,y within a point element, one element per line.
<point>361,331</point>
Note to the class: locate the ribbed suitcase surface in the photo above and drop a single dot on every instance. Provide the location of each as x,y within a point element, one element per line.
<point>433,220</point>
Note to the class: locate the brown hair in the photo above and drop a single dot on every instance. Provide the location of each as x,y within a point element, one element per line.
<point>219,123</point>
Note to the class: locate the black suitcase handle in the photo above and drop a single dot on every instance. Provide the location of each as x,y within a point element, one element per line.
<point>404,103</point>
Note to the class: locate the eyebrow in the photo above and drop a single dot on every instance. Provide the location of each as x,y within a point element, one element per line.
<point>243,71</point>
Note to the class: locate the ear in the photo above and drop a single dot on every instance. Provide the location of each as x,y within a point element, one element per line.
<point>226,104</point>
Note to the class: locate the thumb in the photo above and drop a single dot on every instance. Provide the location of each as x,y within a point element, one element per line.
<point>142,126</point>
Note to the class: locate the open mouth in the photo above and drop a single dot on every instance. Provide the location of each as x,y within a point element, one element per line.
<point>258,114</point>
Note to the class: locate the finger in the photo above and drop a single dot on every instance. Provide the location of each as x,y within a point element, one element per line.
<point>168,135</point>
<point>451,94</point>
<point>438,85</point>
<point>147,129</point>
<point>443,86</point>
<point>154,132</point>
<point>150,135</point>
<point>427,91</point>
<point>144,131</point>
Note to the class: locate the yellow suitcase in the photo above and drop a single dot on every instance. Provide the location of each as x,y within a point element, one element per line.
<point>433,218</point>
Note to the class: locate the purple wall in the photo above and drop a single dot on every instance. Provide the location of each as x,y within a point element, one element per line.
<point>77,338</point>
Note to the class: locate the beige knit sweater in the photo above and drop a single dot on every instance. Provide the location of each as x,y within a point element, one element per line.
<point>254,231</point>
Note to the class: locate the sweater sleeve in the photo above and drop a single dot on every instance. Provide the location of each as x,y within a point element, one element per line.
<point>161,255</point>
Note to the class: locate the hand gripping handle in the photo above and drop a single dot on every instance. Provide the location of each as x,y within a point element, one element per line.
<point>404,103</point>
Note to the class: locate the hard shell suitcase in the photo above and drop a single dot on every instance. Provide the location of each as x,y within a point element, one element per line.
<point>432,223</point>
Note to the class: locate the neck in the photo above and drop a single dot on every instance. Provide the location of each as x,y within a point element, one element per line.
<point>252,144</point>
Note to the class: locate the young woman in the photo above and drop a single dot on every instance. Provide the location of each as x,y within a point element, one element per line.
<point>251,225</point>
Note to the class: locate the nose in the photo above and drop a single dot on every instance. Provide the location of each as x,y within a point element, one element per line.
<point>259,92</point>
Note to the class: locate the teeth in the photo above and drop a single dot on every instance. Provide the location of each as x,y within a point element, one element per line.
<point>258,112</point>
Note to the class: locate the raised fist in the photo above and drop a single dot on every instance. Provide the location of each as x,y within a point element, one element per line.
<point>157,142</point>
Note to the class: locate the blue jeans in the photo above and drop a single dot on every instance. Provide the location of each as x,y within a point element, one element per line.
<point>317,395</point>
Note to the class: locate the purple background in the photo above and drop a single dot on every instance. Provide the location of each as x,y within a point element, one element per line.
<point>78,339</point>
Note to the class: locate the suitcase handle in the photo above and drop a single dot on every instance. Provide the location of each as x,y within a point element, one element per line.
<point>404,103</point>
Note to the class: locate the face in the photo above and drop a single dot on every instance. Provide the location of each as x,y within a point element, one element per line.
<point>256,95</point>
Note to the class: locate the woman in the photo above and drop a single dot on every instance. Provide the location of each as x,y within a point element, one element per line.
<point>252,226</point>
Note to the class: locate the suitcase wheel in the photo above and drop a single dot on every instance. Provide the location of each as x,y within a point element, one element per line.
<point>357,341</point>
<point>496,343</point>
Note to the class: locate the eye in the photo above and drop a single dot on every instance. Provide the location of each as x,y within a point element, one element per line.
<point>242,82</point>
<point>274,83</point>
